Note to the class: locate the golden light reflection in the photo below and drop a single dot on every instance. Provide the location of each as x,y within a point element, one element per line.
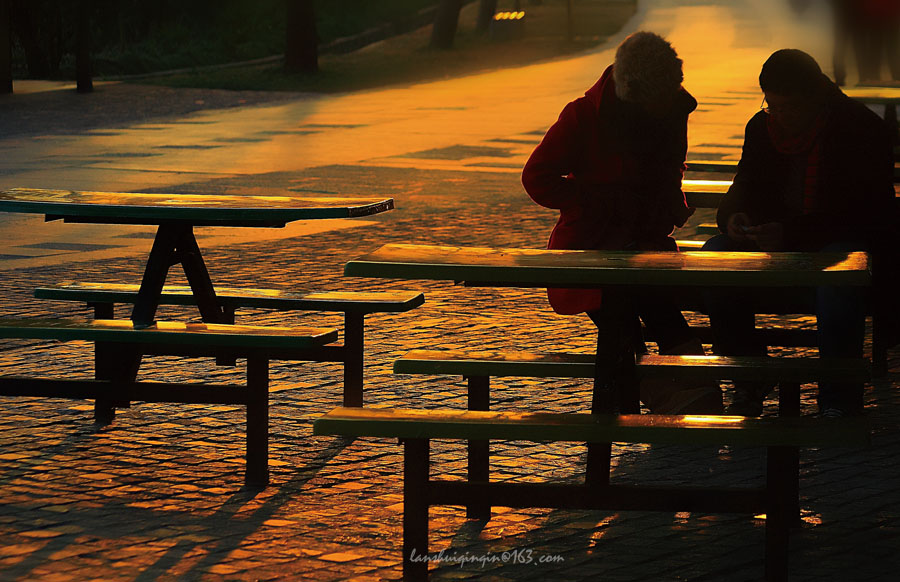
<point>697,419</point>
<point>811,519</point>
<point>707,183</point>
<point>602,525</point>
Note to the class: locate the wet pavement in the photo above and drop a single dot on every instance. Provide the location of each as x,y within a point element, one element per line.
<point>159,494</point>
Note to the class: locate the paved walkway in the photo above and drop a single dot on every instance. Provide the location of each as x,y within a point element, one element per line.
<point>158,495</point>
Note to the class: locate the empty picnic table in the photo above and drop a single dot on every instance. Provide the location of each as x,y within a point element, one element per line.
<point>120,345</point>
<point>176,215</point>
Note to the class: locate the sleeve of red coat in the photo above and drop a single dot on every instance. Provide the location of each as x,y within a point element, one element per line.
<point>545,174</point>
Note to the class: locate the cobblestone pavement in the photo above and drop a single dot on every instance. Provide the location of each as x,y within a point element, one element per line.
<point>159,494</point>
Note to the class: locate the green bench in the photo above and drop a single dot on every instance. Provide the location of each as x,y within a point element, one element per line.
<point>355,306</point>
<point>119,345</point>
<point>478,367</point>
<point>730,167</point>
<point>776,498</point>
<point>487,364</point>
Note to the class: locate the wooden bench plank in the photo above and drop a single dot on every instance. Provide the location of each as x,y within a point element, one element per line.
<point>355,305</point>
<point>120,345</point>
<point>730,167</point>
<point>563,365</point>
<point>707,229</point>
<point>207,334</point>
<point>346,301</point>
<point>541,267</point>
<point>690,245</point>
<point>582,427</point>
<point>198,209</point>
<point>417,427</point>
<point>715,166</point>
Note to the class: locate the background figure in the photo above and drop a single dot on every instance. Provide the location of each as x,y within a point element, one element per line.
<point>612,165</point>
<point>872,29</point>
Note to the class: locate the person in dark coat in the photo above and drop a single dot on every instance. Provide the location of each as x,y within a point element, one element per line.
<point>816,174</point>
<point>612,165</point>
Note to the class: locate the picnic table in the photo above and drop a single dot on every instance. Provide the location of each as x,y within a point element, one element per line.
<point>176,215</point>
<point>121,345</point>
<point>622,270</point>
<point>878,95</point>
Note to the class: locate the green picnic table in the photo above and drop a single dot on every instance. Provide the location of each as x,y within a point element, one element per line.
<point>613,371</point>
<point>485,266</point>
<point>176,215</point>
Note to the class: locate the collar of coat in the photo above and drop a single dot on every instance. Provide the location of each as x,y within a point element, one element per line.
<point>603,96</point>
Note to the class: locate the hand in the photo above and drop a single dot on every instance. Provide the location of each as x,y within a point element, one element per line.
<point>768,237</point>
<point>738,223</point>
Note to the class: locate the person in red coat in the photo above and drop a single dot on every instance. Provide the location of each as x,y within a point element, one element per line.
<point>612,165</point>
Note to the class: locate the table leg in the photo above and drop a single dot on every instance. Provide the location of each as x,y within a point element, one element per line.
<point>779,508</point>
<point>112,362</point>
<point>614,372</point>
<point>479,452</point>
<point>257,472</point>
<point>890,116</point>
<point>353,358</point>
<point>198,278</point>
<point>416,465</point>
<point>175,243</point>
<point>158,263</point>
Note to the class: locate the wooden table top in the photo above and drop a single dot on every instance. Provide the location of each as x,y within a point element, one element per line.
<point>563,268</point>
<point>873,94</point>
<point>197,209</point>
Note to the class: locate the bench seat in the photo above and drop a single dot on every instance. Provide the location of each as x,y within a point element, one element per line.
<point>565,365</point>
<point>770,431</point>
<point>355,305</point>
<point>208,335</point>
<point>119,346</point>
<point>416,428</point>
<point>234,297</point>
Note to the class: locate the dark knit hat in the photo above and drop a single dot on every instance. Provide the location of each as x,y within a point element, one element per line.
<point>792,72</point>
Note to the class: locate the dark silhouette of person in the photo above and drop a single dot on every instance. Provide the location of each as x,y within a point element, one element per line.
<point>612,165</point>
<point>816,174</point>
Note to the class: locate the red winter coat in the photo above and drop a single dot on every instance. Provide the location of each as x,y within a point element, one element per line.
<point>614,173</point>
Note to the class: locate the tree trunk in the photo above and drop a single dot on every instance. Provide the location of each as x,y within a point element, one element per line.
<point>5,49</point>
<point>301,47</point>
<point>486,10</point>
<point>23,26</point>
<point>445,22</point>
<point>83,82</point>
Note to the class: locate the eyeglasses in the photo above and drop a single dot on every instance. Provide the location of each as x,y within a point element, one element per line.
<point>789,108</point>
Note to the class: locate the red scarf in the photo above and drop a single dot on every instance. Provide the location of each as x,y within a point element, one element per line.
<point>806,143</point>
